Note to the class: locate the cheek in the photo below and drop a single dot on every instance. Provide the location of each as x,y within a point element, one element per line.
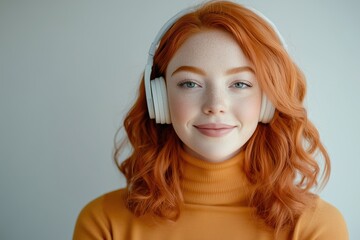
<point>180,108</point>
<point>249,110</point>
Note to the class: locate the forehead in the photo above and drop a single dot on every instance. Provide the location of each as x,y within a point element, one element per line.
<point>209,48</point>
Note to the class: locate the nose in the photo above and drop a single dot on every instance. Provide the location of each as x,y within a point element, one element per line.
<point>214,102</point>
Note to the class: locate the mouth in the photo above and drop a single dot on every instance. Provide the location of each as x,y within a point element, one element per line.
<point>214,129</point>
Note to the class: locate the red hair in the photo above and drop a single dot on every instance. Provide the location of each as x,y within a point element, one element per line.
<point>279,157</point>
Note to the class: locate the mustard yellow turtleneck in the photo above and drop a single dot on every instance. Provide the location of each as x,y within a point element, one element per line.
<point>215,207</point>
<point>214,184</point>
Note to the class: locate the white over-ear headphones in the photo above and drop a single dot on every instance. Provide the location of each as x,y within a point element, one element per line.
<point>155,90</point>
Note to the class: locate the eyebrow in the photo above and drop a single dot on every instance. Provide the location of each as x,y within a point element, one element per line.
<point>202,72</point>
<point>239,69</point>
<point>189,69</point>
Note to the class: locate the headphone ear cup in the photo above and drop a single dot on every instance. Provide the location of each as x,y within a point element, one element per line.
<point>154,94</point>
<point>165,102</point>
<point>160,101</point>
<point>267,110</point>
<point>158,89</point>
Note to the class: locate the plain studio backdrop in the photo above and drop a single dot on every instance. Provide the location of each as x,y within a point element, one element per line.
<point>69,71</point>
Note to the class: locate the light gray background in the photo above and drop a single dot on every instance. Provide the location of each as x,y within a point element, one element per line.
<point>69,71</point>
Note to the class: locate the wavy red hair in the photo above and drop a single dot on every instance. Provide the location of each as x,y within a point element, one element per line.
<point>280,156</point>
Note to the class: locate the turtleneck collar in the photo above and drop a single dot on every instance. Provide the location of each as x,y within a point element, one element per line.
<point>217,184</point>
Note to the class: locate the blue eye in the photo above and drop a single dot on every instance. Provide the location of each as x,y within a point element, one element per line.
<point>188,84</point>
<point>241,85</point>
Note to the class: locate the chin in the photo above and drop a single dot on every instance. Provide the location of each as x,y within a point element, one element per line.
<point>212,153</point>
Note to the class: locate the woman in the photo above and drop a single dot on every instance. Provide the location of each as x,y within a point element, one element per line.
<point>236,157</point>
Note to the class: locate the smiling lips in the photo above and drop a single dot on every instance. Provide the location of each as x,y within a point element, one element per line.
<point>214,129</point>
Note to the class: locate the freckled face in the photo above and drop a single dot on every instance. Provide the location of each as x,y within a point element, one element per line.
<point>214,97</point>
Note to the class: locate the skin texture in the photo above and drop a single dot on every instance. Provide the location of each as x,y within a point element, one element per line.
<point>214,97</point>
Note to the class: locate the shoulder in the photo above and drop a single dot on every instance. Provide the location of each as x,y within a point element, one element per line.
<point>105,204</point>
<point>322,221</point>
<point>95,219</point>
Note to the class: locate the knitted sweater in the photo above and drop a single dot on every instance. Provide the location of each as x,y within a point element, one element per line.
<point>215,207</point>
